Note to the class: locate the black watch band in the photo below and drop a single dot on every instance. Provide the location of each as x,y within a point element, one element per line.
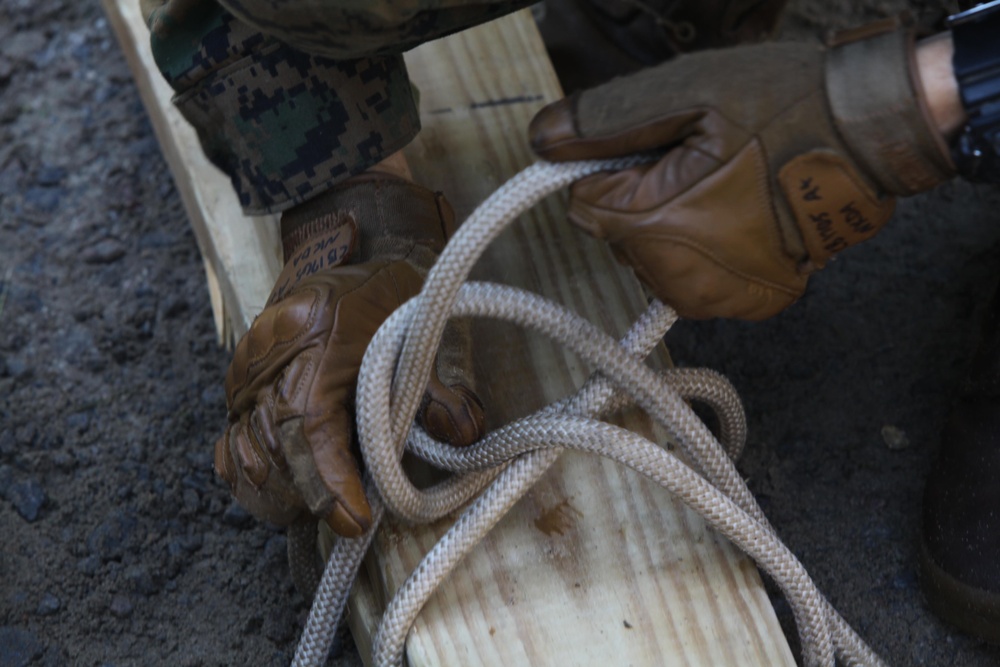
<point>976,35</point>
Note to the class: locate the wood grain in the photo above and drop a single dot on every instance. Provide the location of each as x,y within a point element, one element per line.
<point>595,566</point>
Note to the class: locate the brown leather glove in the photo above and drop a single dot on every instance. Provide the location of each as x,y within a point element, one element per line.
<point>775,158</point>
<point>290,388</point>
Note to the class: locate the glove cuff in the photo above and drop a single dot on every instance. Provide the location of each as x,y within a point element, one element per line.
<point>392,216</point>
<point>879,108</point>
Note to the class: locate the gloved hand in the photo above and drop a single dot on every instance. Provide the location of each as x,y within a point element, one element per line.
<point>290,387</point>
<point>775,157</point>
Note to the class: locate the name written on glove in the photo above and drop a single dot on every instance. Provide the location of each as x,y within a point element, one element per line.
<point>326,250</point>
<point>833,207</point>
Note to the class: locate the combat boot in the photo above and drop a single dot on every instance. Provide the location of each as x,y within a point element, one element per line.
<point>960,551</point>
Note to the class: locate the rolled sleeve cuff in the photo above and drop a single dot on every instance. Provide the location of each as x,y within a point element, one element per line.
<point>285,125</point>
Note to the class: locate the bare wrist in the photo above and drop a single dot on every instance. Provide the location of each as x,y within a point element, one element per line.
<point>937,77</point>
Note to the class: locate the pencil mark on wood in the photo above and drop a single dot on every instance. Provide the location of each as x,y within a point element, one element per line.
<point>520,99</point>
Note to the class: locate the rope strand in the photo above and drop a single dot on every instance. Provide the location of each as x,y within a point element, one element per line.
<point>507,462</point>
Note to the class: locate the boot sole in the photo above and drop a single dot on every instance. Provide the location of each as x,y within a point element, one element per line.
<point>972,610</point>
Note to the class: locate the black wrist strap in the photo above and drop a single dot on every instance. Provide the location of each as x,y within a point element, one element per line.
<point>976,35</point>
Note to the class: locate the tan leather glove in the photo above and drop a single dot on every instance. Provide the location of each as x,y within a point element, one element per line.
<point>775,157</point>
<point>290,388</point>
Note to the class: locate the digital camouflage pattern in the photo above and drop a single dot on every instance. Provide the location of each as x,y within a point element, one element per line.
<point>286,124</point>
<point>354,28</point>
<point>283,124</point>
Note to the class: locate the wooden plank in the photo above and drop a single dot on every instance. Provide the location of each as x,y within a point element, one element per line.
<point>595,565</point>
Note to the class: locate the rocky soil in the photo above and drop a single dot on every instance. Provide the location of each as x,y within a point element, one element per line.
<point>119,547</point>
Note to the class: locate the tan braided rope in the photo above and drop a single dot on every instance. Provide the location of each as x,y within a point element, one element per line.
<point>507,462</point>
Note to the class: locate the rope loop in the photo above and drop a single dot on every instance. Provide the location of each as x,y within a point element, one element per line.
<point>498,470</point>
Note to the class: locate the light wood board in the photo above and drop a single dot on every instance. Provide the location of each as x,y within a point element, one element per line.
<point>595,566</point>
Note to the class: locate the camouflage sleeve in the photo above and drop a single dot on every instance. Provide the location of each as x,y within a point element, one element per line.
<point>284,123</point>
<point>354,28</point>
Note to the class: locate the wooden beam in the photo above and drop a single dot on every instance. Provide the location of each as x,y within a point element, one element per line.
<point>595,566</point>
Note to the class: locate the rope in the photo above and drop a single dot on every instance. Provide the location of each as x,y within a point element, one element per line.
<point>498,470</point>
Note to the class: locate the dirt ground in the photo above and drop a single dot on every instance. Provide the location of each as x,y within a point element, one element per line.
<point>119,547</point>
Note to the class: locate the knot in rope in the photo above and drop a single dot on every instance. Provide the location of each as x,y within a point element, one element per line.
<point>498,470</point>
